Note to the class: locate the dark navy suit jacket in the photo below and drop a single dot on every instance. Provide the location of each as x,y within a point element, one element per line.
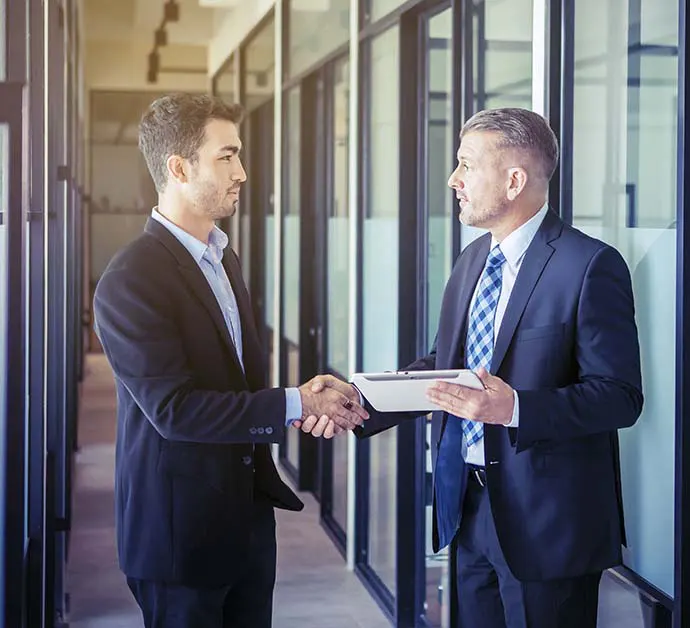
<point>193,428</point>
<point>568,345</point>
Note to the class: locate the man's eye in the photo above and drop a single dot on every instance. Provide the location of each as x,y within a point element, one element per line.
<point>465,167</point>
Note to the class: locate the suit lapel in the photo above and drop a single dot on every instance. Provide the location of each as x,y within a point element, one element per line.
<point>468,283</point>
<point>536,258</point>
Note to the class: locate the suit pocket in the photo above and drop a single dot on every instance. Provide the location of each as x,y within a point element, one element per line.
<point>221,471</point>
<point>544,331</point>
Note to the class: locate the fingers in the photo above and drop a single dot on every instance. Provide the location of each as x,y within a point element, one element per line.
<point>329,432</point>
<point>320,427</point>
<point>308,424</point>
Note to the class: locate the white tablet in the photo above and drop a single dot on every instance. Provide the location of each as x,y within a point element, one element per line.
<point>405,391</point>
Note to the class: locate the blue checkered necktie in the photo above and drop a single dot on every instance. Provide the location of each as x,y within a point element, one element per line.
<point>480,333</point>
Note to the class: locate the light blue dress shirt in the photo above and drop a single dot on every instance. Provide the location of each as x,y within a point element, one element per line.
<point>209,258</point>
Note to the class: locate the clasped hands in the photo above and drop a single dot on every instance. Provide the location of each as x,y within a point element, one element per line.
<point>329,406</point>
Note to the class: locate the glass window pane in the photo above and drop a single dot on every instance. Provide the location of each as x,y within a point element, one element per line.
<point>338,284</point>
<point>502,53</point>
<point>260,67</point>
<point>338,289</point>
<point>380,287</point>
<point>624,192</point>
<point>291,254</point>
<point>317,28</point>
<point>225,82</point>
<point>339,508</point>
<point>440,206</point>
<point>3,41</point>
<point>381,8</point>
<point>4,209</point>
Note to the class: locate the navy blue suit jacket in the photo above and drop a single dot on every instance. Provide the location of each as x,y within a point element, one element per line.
<point>193,429</point>
<point>568,345</point>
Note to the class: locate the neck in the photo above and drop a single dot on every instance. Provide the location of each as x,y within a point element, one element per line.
<point>515,218</point>
<point>198,226</point>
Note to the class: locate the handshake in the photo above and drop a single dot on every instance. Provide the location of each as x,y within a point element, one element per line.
<point>329,406</point>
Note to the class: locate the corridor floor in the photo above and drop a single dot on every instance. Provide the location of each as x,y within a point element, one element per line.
<point>314,589</point>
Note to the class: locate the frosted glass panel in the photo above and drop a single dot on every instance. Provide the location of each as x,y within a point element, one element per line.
<point>624,192</point>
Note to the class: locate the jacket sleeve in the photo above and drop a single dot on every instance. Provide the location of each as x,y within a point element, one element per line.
<point>608,393</point>
<point>136,326</point>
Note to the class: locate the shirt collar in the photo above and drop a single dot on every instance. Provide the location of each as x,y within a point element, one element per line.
<point>217,240</point>
<point>515,245</point>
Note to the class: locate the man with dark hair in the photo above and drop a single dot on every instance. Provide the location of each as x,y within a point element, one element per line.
<point>195,483</point>
<point>527,479</point>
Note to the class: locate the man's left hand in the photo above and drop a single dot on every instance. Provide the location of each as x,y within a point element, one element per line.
<point>494,404</point>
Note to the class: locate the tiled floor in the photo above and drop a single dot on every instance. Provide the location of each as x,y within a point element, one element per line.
<point>314,588</point>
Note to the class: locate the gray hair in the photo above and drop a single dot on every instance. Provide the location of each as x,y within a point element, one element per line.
<point>520,129</point>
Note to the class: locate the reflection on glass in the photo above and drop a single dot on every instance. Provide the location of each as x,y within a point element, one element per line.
<point>380,288</point>
<point>338,291</point>
<point>502,42</point>
<point>624,192</point>
<point>260,67</point>
<point>316,29</point>
<point>291,254</point>
<point>440,206</point>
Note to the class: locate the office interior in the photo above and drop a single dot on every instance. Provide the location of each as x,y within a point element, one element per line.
<point>346,232</point>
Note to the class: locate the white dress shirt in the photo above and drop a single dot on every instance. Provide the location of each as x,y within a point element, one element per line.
<point>513,248</point>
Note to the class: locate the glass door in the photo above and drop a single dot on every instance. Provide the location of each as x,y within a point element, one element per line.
<point>334,345</point>
<point>437,208</point>
<point>13,218</point>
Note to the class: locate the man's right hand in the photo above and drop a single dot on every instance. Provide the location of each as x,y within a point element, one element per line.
<point>335,403</point>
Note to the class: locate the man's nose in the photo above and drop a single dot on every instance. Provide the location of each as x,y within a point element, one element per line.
<point>240,175</point>
<point>455,180</point>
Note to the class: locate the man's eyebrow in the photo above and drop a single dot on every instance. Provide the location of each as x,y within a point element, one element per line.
<point>230,148</point>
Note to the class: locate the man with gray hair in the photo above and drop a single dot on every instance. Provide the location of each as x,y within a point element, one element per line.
<point>527,480</point>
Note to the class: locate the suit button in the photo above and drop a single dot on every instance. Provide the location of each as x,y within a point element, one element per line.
<point>252,430</point>
<point>259,430</point>
<point>269,430</point>
<point>246,460</point>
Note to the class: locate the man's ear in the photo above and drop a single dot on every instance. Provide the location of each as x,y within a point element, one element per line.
<point>517,181</point>
<point>177,169</point>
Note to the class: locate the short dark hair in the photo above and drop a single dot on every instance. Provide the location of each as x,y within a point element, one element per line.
<point>521,129</point>
<point>175,124</point>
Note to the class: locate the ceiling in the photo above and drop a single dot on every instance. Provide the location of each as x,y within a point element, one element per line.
<point>124,20</point>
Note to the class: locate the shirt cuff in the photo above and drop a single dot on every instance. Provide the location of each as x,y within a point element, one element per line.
<point>293,405</point>
<point>515,421</point>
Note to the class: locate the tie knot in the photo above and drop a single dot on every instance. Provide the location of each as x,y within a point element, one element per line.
<point>496,258</point>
